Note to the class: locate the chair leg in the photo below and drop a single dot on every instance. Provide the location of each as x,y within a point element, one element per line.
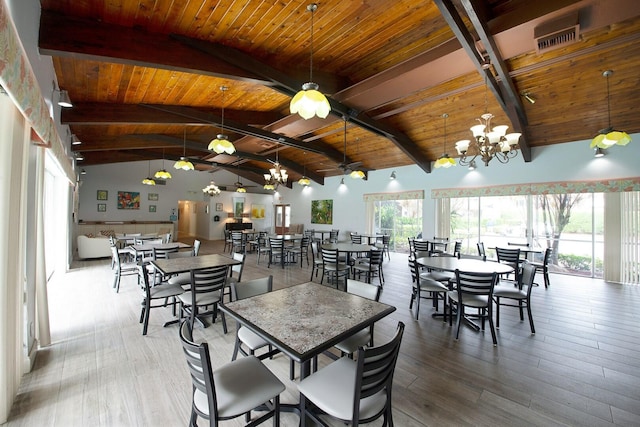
<point>545,273</point>
<point>493,331</point>
<point>418,297</point>
<point>498,312</point>
<point>459,315</point>
<point>533,329</point>
<point>147,309</point>
<point>520,308</point>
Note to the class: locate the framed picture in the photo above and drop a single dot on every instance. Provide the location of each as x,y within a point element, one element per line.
<point>102,195</point>
<point>152,208</point>
<point>257,211</point>
<point>102,207</point>
<point>128,200</point>
<point>219,207</point>
<point>322,211</point>
<point>238,207</point>
<point>153,196</point>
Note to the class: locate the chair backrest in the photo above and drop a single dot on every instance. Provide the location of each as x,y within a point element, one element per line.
<point>315,251</point>
<point>386,239</point>
<point>356,238</point>
<point>196,247</point>
<point>509,256</point>
<point>547,255</point>
<point>413,268</point>
<point>527,277</point>
<point>276,245</point>
<point>304,242</point>
<point>333,235</point>
<point>238,268</point>
<point>475,284</point>
<point>481,250</point>
<point>167,238</point>
<point>364,290</point>
<point>199,364</point>
<point>162,253</point>
<point>376,366</point>
<point>469,256</point>
<point>419,245</point>
<point>411,242</point>
<point>250,288</point>
<point>329,256</point>
<point>115,254</point>
<point>524,245</point>
<point>375,258</point>
<point>457,247</point>
<point>208,280</point>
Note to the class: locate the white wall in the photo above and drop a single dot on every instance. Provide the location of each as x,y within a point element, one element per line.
<point>563,162</point>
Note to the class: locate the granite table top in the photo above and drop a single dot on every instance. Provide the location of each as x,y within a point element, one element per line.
<point>304,320</point>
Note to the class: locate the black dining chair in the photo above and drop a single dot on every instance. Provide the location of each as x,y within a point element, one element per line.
<point>519,296</point>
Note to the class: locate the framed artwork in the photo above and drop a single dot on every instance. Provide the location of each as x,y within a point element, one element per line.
<point>322,211</point>
<point>102,207</point>
<point>238,207</point>
<point>257,211</point>
<point>219,207</point>
<point>152,208</point>
<point>128,200</point>
<point>102,195</point>
<point>153,196</point>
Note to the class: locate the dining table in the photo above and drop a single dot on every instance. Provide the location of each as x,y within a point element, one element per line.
<point>370,238</point>
<point>466,265</point>
<point>172,266</point>
<point>303,321</point>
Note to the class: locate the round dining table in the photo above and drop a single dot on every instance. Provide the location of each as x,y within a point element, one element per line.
<point>450,263</point>
<point>348,247</point>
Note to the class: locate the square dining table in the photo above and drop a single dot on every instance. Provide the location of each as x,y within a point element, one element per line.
<point>181,265</point>
<point>304,320</point>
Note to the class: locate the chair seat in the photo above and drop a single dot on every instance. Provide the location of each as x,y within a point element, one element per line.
<point>440,276</point>
<point>355,341</point>
<point>251,339</point>
<point>470,300</point>
<point>333,388</point>
<point>201,299</point>
<point>165,291</point>
<point>334,267</point>
<point>509,292</point>
<point>180,279</point>
<point>430,285</point>
<point>241,386</point>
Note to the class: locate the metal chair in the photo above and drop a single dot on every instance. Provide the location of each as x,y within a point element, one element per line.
<point>206,291</point>
<point>232,390</point>
<point>424,287</point>
<point>519,296</point>
<point>157,292</point>
<point>544,266</point>
<point>332,267</point>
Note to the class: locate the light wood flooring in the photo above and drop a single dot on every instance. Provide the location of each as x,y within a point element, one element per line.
<point>581,368</point>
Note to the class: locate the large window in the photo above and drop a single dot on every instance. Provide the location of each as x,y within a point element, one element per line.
<point>571,224</point>
<point>400,219</point>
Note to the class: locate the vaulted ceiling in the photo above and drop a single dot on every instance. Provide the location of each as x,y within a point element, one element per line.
<point>145,77</point>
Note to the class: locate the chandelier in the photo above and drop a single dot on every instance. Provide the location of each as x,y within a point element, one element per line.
<point>309,101</point>
<point>221,143</point>
<point>276,176</point>
<point>608,137</point>
<point>212,189</point>
<point>184,163</point>
<point>444,161</point>
<point>148,180</point>
<point>488,142</point>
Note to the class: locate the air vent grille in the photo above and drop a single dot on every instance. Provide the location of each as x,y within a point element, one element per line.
<point>558,33</point>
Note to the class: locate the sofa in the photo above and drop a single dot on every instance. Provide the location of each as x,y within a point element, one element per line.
<point>93,247</point>
<point>296,228</point>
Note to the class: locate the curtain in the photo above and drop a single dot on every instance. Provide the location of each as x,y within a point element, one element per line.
<point>630,237</point>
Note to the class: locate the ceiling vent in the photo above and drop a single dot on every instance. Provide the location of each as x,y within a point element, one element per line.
<point>558,33</point>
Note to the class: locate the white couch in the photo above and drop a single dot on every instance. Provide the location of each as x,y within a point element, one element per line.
<point>93,247</point>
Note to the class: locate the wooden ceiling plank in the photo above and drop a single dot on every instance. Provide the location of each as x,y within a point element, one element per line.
<point>65,36</point>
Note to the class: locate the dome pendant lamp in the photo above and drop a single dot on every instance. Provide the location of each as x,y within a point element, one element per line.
<point>221,143</point>
<point>444,161</point>
<point>309,101</point>
<point>608,137</point>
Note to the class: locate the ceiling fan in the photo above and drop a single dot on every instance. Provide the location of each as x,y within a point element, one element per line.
<point>345,167</point>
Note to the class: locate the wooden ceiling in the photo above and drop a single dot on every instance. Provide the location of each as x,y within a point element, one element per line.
<point>145,77</point>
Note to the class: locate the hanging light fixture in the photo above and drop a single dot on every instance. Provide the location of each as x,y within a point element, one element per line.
<point>162,173</point>
<point>355,174</point>
<point>148,180</point>
<point>184,163</point>
<point>309,101</point>
<point>608,137</point>
<point>488,142</point>
<point>304,181</point>
<point>276,176</point>
<point>221,143</point>
<point>444,161</point>
<point>212,189</point>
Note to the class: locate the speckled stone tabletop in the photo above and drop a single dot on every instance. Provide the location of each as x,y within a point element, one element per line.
<point>306,319</point>
<point>181,265</point>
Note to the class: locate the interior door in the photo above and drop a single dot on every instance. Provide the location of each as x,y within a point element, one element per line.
<point>282,219</point>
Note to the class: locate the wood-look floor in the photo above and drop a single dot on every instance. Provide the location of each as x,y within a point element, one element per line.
<point>581,368</point>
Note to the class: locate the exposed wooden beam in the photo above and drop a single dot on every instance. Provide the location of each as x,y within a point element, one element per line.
<point>457,25</point>
<point>290,86</point>
<point>66,36</point>
<point>213,118</point>
<point>102,113</point>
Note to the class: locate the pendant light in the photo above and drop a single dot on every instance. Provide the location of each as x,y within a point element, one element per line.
<point>444,161</point>
<point>608,137</point>
<point>184,163</point>
<point>304,181</point>
<point>162,173</point>
<point>309,101</point>
<point>148,180</point>
<point>221,143</point>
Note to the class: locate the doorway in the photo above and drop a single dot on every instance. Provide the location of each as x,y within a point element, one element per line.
<point>282,218</point>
